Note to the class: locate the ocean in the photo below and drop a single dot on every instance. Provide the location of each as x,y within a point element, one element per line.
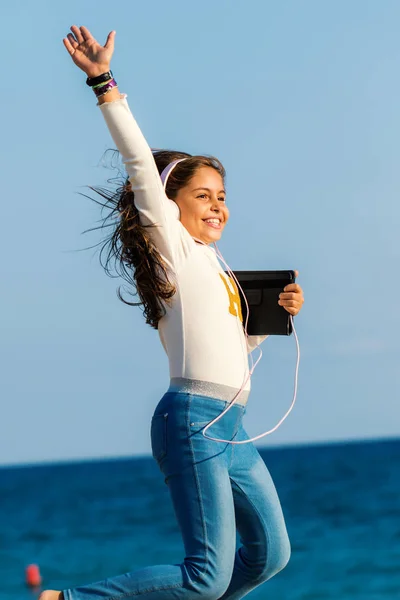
<point>84,521</point>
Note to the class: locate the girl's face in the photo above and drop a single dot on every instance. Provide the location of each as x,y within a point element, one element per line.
<point>202,205</point>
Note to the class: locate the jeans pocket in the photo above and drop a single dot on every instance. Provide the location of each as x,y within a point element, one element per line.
<point>158,434</point>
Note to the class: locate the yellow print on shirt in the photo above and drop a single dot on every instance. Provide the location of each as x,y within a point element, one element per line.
<point>235,307</point>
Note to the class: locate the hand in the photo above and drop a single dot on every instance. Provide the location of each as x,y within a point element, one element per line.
<point>87,53</point>
<point>292,298</point>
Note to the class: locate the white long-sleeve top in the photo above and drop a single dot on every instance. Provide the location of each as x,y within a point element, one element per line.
<point>201,330</point>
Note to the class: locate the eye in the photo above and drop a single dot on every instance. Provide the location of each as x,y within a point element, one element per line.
<point>222,198</point>
<point>202,196</point>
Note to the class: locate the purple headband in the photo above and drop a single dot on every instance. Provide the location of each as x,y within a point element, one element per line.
<point>168,169</point>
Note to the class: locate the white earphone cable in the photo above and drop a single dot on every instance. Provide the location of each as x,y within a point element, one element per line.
<point>246,378</point>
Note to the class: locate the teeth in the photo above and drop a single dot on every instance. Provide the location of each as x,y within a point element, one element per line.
<point>213,221</point>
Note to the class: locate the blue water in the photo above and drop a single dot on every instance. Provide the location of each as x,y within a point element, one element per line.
<point>82,522</point>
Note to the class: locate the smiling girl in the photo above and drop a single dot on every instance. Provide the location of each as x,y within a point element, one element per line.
<point>172,207</point>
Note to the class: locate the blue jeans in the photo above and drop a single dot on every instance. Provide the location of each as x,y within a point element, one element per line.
<point>215,488</point>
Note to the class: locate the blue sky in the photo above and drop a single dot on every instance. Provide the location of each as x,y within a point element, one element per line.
<point>300,101</point>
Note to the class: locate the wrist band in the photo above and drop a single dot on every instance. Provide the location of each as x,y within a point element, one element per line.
<point>101,84</point>
<point>92,81</point>
<point>106,87</point>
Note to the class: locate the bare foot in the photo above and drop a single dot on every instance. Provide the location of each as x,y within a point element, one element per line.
<point>51,595</point>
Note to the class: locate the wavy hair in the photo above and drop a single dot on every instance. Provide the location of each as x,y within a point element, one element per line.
<point>129,249</point>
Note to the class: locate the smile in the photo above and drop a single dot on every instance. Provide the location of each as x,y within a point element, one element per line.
<point>214,223</point>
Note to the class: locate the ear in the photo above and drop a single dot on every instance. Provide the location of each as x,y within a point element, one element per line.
<point>175,210</point>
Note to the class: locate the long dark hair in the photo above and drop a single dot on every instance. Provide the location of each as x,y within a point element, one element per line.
<point>129,250</point>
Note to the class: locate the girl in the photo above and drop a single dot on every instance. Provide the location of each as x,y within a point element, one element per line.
<point>172,208</point>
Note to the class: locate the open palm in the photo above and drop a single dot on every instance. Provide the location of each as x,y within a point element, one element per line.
<point>87,53</point>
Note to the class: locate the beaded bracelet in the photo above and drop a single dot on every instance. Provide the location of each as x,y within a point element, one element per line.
<point>103,88</point>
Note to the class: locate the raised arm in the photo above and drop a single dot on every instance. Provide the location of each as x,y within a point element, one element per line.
<point>150,199</point>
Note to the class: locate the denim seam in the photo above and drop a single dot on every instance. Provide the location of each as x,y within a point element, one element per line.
<point>232,451</point>
<point>189,433</point>
<point>146,591</point>
<point>264,529</point>
<point>233,445</point>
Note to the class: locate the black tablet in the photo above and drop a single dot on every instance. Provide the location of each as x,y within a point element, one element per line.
<point>262,289</point>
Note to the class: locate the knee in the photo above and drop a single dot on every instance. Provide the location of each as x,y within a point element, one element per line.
<point>276,559</point>
<point>211,589</point>
<point>270,559</point>
<point>282,557</point>
<point>210,585</point>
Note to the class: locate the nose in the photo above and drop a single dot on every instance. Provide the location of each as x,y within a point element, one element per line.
<point>215,205</point>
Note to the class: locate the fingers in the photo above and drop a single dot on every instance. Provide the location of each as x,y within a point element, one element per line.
<point>68,46</point>
<point>288,296</point>
<point>110,41</point>
<point>292,287</point>
<point>291,299</point>
<point>73,43</point>
<point>77,33</point>
<point>86,35</point>
<point>291,306</point>
<point>289,303</point>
